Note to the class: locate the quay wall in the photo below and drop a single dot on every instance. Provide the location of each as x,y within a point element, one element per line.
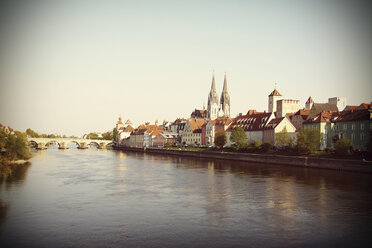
<point>306,162</point>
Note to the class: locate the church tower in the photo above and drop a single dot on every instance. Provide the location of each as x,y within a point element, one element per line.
<point>225,99</point>
<point>213,101</point>
<point>273,98</point>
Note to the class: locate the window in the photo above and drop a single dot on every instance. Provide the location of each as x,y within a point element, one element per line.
<point>370,125</point>
<point>353,136</point>
<point>362,136</point>
<point>361,126</point>
<point>353,126</point>
<point>345,126</point>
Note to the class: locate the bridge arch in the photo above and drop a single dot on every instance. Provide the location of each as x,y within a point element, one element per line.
<point>74,142</point>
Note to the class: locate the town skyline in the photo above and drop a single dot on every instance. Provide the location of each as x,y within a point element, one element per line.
<point>73,68</point>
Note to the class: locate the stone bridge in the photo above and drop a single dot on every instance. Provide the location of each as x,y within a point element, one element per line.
<point>42,143</point>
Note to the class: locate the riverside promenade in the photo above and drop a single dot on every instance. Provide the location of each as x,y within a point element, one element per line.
<point>299,161</point>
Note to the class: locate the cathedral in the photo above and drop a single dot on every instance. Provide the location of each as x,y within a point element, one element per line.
<point>219,108</point>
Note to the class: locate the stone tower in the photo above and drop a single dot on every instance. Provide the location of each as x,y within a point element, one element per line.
<point>273,97</point>
<point>225,99</point>
<point>213,101</point>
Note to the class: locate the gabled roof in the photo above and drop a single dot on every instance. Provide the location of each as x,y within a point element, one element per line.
<point>304,113</point>
<point>128,122</point>
<point>321,117</point>
<point>365,106</point>
<point>310,100</point>
<point>178,121</point>
<point>253,122</point>
<point>275,93</point>
<point>150,127</point>
<point>354,115</point>
<point>274,122</point>
<point>196,123</point>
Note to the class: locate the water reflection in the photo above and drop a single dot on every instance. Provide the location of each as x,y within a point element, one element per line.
<point>94,198</point>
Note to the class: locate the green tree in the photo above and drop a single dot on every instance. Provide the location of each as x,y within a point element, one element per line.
<point>32,133</point>
<point>16,146</point>
<point>238,136</point>
<point>283,138</point>
<point>308,140</point>
<point>92,136</point>
<point>107,135</point>
<point>342,146</point>
<point>114,133</point>
<point>220,139</point>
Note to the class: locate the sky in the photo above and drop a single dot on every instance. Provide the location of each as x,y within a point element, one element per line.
<point>73,67</point>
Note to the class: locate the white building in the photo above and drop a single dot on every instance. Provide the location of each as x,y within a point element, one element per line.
<point>285,106</point>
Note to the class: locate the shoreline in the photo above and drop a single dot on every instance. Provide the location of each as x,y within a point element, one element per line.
<point>298,161</point>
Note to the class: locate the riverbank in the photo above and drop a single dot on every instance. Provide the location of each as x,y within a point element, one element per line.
<point>299,161</point>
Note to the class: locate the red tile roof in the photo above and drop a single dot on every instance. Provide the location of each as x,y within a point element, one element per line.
<point>196,123</point>
<point>353,115</point>
<point>321,117</point>
<point>254,122</point>
<point>365,106</point>
<point>274,122</point>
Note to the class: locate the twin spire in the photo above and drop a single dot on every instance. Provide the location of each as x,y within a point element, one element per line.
<point>218,108</point>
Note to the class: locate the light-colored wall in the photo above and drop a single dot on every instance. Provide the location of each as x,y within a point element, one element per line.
<point>286,106</point>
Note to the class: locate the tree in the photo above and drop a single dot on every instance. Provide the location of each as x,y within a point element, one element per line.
<point>107,135</point>
<point>15,145</point>
<point>114,133</point>
<point>238,136</point>
<point>308,140</point>
<point>283,138</point>
<point>32,133</point>
<point>220,139</point>
<point>92,136</point>
<point>343,146</point>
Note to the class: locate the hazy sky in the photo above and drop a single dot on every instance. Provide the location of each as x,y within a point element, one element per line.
<point>71,67</point>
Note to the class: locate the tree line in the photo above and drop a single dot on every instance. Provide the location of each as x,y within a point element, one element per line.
<point>306,142</point>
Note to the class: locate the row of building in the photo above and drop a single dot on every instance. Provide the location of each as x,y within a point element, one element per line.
<point>334,120</point>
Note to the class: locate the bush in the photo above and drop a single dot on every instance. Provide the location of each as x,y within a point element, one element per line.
<point>265,147</point>
<point>343,146</point>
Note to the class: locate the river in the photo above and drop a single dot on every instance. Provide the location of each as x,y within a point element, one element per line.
<point>105,198</point>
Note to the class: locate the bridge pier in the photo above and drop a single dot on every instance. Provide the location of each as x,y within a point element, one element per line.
<point>102,146</point>
<point>41,146</point>
<point>83,145</point>
<point>62,145</point>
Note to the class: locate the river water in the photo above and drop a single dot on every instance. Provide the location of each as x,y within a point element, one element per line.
<point>104,198</point>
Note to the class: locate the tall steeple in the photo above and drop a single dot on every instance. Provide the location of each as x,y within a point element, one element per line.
<point>213,101</point>
<point>225,99</point>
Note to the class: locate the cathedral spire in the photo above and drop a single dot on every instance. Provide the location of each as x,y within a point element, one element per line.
<point>212,108</point>
<point>225,99</point>
<point>225,84</point>
<point>213,88</point>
